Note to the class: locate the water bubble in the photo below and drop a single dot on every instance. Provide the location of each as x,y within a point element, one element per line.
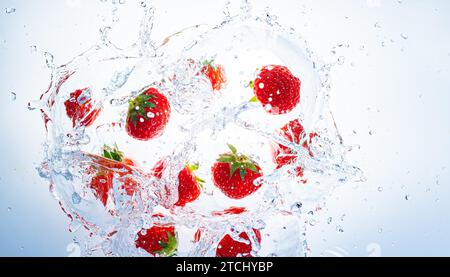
<point>10,10</point>
<point>404,36</point>
<point>13,96</point>
<point>261,85</point>
<point>341,60</point>
<point>268,107</point>
<point>141,120</point>
<point>380,189</point>
<point>143,4</point>
<point>150,115</point>
<point>339,229</point>
<point>380,230</point>
<point>407,197</point>
<point>33,48</point>
<point>9,209</point>
<point>329,220</point>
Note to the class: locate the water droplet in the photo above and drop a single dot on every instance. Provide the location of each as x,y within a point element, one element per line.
<point>341,60</point>
<point>22,248</point>
<point>33,48</point>
<point>296,207</point>
<point>137,108</point>
<point>76,199</point>
<point>380,189</point>
<point>10,10</point>
<point>9,209</point>
<point>339,229</point>
<point>261,85</point>
<point>380,230</point>
<point>268,107</point>
<point>49,59</point>
<point>13,96</point>
<point>150,114</point>
<point>141,120</point>
<point>329,220</point>
<point>407,197</point>
<point>404,36</point>
<point>143,4</point>
<point>270,99</point>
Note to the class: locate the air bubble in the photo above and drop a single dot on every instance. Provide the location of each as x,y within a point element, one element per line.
<point>10,10</point>
<point>13,96</point>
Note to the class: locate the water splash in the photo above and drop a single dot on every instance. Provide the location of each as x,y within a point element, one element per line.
<point>202,122</point>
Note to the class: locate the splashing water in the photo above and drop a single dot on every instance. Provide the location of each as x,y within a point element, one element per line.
<point>202,122</point>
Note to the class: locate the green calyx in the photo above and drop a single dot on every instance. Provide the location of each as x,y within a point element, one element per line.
<point>112,153</point>
<point>192,168</point>
<point>209,63</point>
<point>137,107</point>
<point>168,248</point>
<point>237,161</point>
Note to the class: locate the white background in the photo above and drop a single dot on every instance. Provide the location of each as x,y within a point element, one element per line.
<point>390,96</point>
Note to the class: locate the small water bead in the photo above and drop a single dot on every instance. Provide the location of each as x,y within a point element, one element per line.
<point>329,220</point>
<point>341,60</point>
<point>137,108</point>
<point>76,199</point>
<point>33,48</point>
<point>13,96</point>
<point>407,197</point>
<point>404,36</point>
<point>141,120</point>
<point>296,207</point>
<point>268,107</point>
<point>150,115</point>
<point>261,85</point>
<point>339,229</point>
<point>380,189</point>
<point>9,209</point>
<point>270,99</point>
<point>10,10</point>
<point>380,230</point>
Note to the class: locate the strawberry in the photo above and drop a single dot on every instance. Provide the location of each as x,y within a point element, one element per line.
<point>232,182</point>
<point>79,108</point>
<point>112,162</point>
<point>189,185</point>
<point>215,73</point>
<point>228,247</point>
<point>158,240</point>
<point>294,132</point>
<point>148,115</point>
<point>277,89</point>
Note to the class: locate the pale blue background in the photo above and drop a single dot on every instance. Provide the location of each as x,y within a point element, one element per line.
<point>391,96</point>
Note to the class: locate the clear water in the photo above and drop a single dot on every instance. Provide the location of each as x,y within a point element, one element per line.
<point>202,122</point>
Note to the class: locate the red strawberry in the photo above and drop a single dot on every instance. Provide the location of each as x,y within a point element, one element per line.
<point>215,73</point>
<point>277,89</point>
<point>79,108</point>
<point>228,247</point>
<point>158,240</point>
<point>294,132</point>
<point>112,162</point>
<point>188,184</point>
<point>232,182</point>
<point>148,115</point>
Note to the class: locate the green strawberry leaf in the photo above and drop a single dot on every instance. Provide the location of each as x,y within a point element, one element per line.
<point>242,173</point>
<point>232,148</point>
<point>233,168</point>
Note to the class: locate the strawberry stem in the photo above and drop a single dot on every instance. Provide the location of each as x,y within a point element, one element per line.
<point>169,247</point>
<point>237,161</point>
<point>137,107</point>
<point>112,153</point>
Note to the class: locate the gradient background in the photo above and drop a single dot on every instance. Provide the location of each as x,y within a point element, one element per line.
<point>390,97</point>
